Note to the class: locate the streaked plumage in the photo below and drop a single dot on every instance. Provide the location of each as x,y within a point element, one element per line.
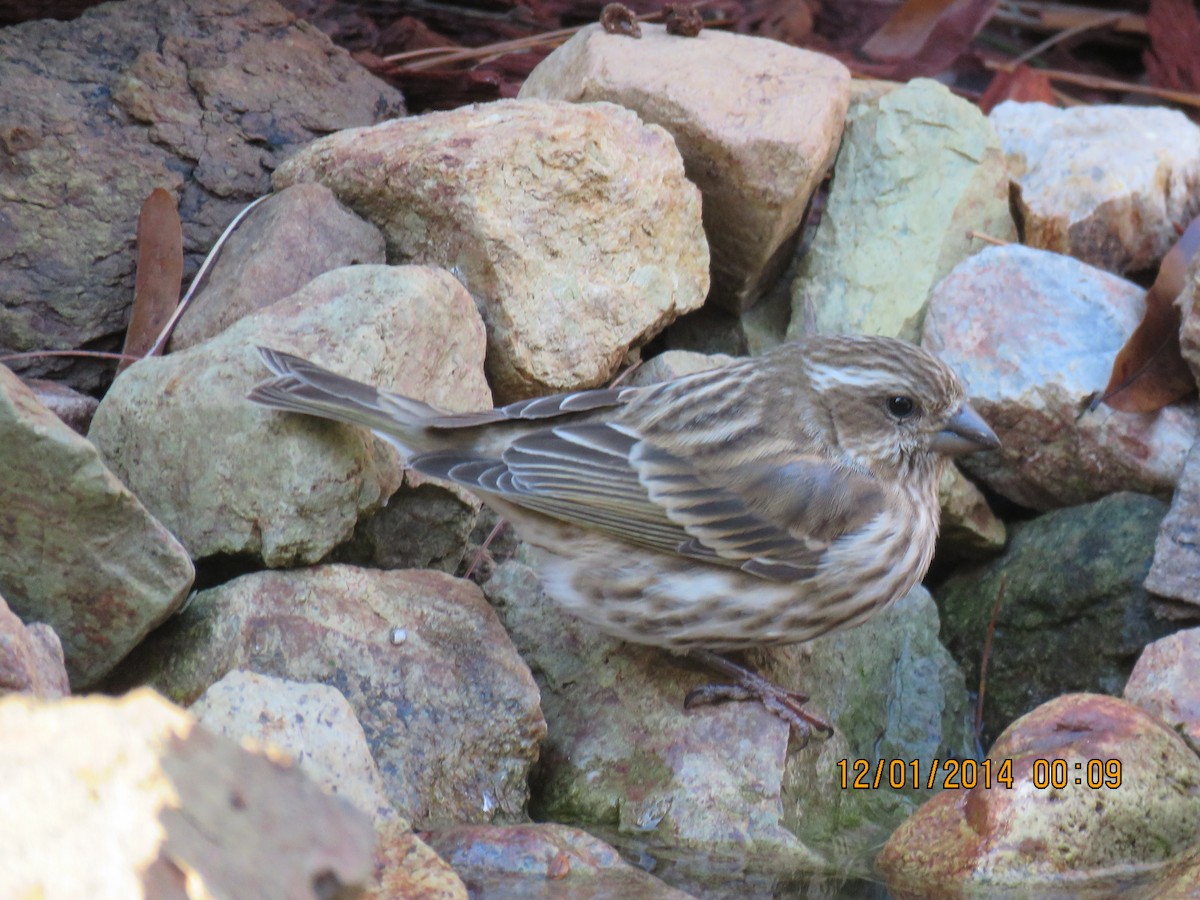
<point>766,502</point>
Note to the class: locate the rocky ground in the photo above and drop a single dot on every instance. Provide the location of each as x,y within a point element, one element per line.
<point>227,632</point>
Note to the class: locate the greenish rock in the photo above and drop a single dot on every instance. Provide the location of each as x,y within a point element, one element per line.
<point>78,551</point>
<point>623,755</point>
<point>231,477</point>
<point>1073,613</point>
<point>919,168</point>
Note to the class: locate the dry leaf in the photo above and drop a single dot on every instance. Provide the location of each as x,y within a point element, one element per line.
<point>1022,84</point>
<point>925,36</point>
<point>159,273</point>
<point>1173,60</point>
<point>1150,371</point>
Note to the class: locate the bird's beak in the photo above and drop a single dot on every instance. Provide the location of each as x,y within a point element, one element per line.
<point>966,432</point>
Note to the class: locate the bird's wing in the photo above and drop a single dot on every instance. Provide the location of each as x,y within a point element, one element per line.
<point>773,520</point>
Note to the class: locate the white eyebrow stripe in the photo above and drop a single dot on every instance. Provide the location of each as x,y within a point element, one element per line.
<point>823,377</point>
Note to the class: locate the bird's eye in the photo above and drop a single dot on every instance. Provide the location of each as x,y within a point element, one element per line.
<point>901,407</point>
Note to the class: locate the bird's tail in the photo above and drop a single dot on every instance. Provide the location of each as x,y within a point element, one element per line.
<point>304,387</point>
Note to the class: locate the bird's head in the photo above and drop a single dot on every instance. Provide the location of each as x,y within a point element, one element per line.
<point>893,407</point>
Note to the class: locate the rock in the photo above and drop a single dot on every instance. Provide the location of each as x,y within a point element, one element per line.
<point>919,168</point>
<point>1188,302</point>
<point>1175,572</point>
<point>1105,184</point>
<point>201,97</point>
<point>1166,681</point>
<point>229,476</point>
<point>128,798</point>
<point>969,528</point>
<point>31,658</point>
<point>757,122</point>
<point>622,754</point>
<point>77,549</point>
<point>1034,335</point>
<point>526,860</point>
<point>1051,832</point>
<point>284,244</point>
<point>75,409</point>
<point>427,525</point>
<point>675,364</point>
<point>449,709</point>
<point>572,226</point>
<point>406,867</point>
<point>1073,616</point>
<point>311,723</point>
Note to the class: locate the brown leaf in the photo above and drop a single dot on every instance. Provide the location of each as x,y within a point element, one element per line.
<point>1150,371</point>
<point>159,273</point>
<point>1173,60</point>
<point>924,36</point>
<point>1023,84</point>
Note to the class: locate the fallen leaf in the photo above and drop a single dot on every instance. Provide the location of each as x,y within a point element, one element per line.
<point>925,36</point>
<point>1173,60</point>
<point>1023,84</point>
<point>159,273</point>
<point>1150,371</point>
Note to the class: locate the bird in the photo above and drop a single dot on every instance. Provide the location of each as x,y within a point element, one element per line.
<point>767,501</point>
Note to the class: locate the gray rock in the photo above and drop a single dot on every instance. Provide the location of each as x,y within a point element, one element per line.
<point>449,709</point>
<point>31,658</point>
<point>1034,335</point>
<point>229,476</point>
<point>1166,681</point>
<point>201,97</point>
<point>1175,572</point>
<point>1105,184</point>
<point>78,551</point>
<point>286,242</point>
<point>918,169</point>
<point>572,225</point>
<point>1073,616</point>
<point>757,122</point>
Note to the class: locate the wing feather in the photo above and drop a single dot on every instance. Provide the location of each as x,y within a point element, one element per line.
<point>602,476</point>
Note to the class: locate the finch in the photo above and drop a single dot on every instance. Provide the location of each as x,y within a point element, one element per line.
<point>769,501</point>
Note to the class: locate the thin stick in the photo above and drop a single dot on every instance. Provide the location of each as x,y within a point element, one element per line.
<point>165,334</point>
<point>1110,84</point>
<point>987,238</point>
<point>90,354</point>
<point>987,653</point>
<point>1097,22</point>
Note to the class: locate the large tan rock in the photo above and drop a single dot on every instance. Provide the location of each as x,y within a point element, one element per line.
<point>757,122</point>
<point>572,226</point>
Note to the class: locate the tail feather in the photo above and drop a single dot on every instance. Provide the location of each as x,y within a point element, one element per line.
<point>304,387</point>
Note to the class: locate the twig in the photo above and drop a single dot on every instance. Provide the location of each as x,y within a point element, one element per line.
<point>90,354</point>
<point>1088,25</point>
<point>165,335</point>
<point>987,238</point>
<point>1110,84</point>
<point>987,653</point>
